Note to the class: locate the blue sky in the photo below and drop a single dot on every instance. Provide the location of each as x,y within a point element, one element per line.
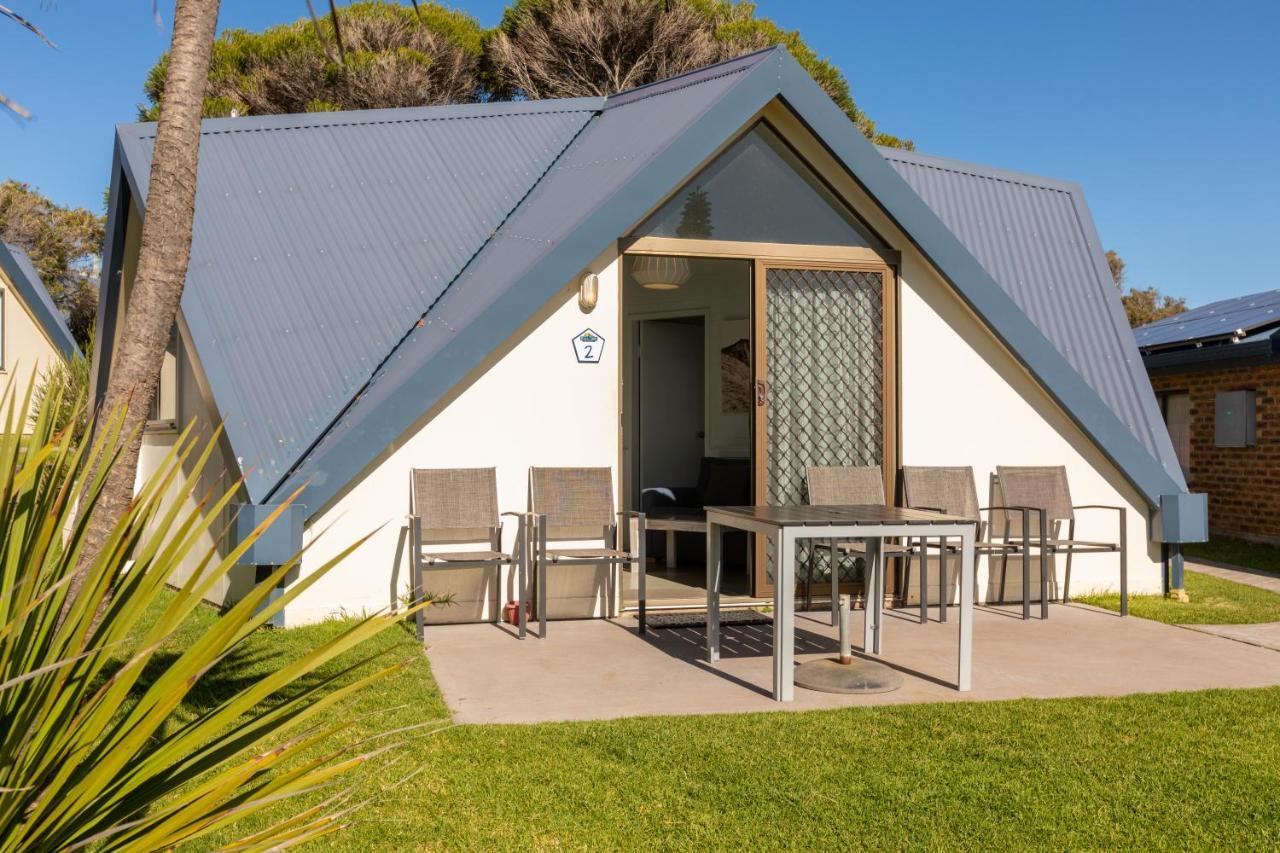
<point>1167,112</point>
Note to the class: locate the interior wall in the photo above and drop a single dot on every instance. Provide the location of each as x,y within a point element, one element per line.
<point>721,290</point>
<point>672,410</point>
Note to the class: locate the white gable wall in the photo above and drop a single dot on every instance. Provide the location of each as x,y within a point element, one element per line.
<point>28,351</point>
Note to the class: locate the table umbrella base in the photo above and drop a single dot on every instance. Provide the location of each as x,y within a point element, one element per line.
<point>860,676</point>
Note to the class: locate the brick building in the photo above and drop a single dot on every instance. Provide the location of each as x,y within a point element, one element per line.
<point>1216,373</point>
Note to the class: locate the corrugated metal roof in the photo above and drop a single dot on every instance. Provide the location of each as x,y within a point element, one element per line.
<point>1226,318</point>
<point>25,279</point>
<point>417,336</point>
<point>1036,238</point>
<point>320,239</point>
<point>632,129</point>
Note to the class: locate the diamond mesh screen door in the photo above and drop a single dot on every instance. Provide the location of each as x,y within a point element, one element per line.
<point>824,371</point>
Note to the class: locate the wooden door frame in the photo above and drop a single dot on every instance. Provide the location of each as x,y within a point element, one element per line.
<point>765,256</point>
<point>759,353</point>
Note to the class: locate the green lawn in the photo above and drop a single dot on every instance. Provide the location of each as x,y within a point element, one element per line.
<point>1213,602</point>
<point>1236,552</point>
<point>1176,770</point>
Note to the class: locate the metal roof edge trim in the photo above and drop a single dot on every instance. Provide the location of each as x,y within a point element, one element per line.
<point>975,286</point>
<point>30,288</point>
<point>112,246</point>
<point>600,227</point>
<point>387,115</point>
<point>980,170</point>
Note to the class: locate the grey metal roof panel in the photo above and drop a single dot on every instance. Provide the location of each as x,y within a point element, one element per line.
<point>1036,238</point>
<point>320,239</point>
<point>554,235</point>
<point>1226,318</point>
<point>625,138</point>
<point>26,280</point>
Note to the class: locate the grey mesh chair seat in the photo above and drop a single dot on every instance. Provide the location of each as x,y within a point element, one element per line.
<point>1044,490</point>
<point>459,506</point>
<point>846,485</point>
<point>586,553</point>
<point>953,490</point>
<point>576,505</point>
<point>466,556</point>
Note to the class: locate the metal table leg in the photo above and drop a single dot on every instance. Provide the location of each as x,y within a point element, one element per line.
<point>784,616</point>
<point>714,533</point>
<point>965,674</point>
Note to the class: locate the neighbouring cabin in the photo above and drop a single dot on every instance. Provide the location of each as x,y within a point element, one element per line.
<point>1216,373</point>
<point>33,332</point>
<point>704,285</point>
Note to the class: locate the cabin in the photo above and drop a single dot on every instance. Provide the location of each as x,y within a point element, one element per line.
<point>703,285</point>
<point>33,332</point>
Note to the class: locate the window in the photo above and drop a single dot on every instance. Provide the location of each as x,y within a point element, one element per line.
<point>1234,419</point>
<point>164,408</point>
<point>1176,407</point>
<point>759,191</point>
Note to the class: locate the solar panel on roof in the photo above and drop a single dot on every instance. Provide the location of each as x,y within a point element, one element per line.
<point>1227,317</point>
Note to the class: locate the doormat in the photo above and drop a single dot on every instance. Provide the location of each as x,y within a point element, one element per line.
<point>699,620</point>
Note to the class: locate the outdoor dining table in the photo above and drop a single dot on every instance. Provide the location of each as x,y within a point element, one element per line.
<point>785,526</point>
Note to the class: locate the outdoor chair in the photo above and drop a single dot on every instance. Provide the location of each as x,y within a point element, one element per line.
<point>576,504</point>
<point>1044,490</point>
<point>844,486</point>
<point>952,490</point>
<point>459,506</point>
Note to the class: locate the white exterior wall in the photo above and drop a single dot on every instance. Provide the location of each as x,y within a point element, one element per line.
<point>965,401</point>
<point>28,351</point>
<point>534,405</point>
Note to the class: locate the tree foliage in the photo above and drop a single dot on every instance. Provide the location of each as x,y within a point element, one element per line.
<point>571,48</point>
<point>397,56</point>
<point>1142,306</point>
<point>96,748</point>
<point>64,244</point>
<point>1147,305</point>
<point>394,57</point>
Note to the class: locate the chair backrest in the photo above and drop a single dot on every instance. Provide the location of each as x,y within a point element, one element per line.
<point>578,502</point>
<point>950,489</point>
<point>1039,486</point>
<point>845,485</point>
<point>455,504</point>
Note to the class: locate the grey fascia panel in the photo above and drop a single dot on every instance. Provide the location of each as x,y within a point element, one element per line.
<point>975,286</point>
<point>26,281</point>
<point>112,246</point>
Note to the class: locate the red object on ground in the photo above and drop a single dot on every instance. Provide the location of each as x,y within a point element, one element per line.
<point>511,612</point>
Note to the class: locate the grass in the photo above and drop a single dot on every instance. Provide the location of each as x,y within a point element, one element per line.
<point>1186,770</point>
<point>1213,602</point>
<point>1236,552</point>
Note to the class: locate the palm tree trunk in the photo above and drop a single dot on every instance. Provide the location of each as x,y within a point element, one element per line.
<point>162,261</point>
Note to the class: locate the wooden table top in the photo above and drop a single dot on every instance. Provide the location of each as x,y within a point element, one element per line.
<point>806,515</point>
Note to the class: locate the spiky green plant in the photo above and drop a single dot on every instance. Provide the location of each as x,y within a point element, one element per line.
<point>92,753</point>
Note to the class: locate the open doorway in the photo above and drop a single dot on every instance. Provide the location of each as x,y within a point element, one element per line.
<point>687,430</point>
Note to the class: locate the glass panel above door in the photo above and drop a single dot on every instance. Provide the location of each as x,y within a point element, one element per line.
<point>758,191</point>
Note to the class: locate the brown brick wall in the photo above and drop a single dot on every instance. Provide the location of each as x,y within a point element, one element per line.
<point>1243,483</point>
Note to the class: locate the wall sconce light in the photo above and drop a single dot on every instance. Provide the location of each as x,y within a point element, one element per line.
<point>588,292</point>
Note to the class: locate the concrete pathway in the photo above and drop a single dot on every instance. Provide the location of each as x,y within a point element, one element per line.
<point>593,669</point>
<point>1266,634</point>
<point>1239,574</point>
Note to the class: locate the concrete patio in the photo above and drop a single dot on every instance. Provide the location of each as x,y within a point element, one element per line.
<point>593,669</point>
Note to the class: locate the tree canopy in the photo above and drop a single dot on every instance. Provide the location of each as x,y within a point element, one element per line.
<point>396,56</point>
<point>63,244</point>
<point>1142,306</point>
<point>392,57</point>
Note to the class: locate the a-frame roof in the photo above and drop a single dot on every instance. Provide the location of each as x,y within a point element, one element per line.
<point>25,279</point>
<point>304,220</point>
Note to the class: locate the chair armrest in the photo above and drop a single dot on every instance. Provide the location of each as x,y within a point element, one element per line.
<point>929,509</point>
<point>1099,506</point>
